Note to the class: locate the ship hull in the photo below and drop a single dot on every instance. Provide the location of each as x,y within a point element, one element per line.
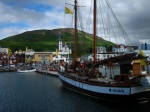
<point>107,93</point>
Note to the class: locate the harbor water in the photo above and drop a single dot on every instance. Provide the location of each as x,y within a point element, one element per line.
<point>34,92</point>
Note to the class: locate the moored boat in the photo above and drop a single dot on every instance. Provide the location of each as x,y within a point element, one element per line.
<point>52,71</point>
<point>25,71</point>
<point>132,84</point>
<point>125,87</point>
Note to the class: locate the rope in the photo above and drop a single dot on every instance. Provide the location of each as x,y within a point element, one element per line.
<point>127,39</point>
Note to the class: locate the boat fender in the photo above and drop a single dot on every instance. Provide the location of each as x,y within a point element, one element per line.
<point>62,69</point>
<point>145,81</point>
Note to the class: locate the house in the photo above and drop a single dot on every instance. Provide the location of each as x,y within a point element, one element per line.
<point>58,59</point>
<point>101,49</point>
<point>101,54</point>
<point>4,56</point>
<point>43,57</point>
<point>4,59</point>
<point>119,48</point>
<point>20,55</point>
<point>13,59</point>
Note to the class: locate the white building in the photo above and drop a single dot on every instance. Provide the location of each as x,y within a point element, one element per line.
<point>29,52</point>
<point>102,56</point>
<point>4,50</point>
<point>63,49</point>
<point>59,58</point>
<point>62,52</point>
<point>120,48</point>
<point>101,49</point>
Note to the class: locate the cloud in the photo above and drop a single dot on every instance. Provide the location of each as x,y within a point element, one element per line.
<point>135,18</point>
<point>18,16</point>
<point>16,20</point>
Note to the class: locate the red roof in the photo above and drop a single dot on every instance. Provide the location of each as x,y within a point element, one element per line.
<point>118,46</point>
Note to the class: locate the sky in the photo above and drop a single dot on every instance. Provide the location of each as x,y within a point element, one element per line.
<point>18,16</point>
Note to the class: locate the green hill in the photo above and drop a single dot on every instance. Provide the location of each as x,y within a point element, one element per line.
<point>46,40</point>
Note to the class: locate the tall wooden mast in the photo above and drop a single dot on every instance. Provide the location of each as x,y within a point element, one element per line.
<point>75,30</point>
<point>94,22</point>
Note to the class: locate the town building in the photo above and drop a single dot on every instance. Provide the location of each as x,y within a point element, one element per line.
<point>100,55</point>
<point>119,48</point>
<point>101,49</point>
<point>20,55</point>
<point>13,59</point>
<point>4,59</point>
<point>4,56</point>
<point>145,48</point>
<point>63,49</point>
<point>43,57</point>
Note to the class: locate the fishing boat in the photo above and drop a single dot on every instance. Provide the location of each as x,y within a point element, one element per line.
<point>132,84</point>
<point>26,71</point>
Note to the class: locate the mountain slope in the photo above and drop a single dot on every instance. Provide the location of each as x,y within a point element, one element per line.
<point>46,40</point>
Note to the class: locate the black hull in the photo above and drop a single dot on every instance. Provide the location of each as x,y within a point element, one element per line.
<point>135,98</point>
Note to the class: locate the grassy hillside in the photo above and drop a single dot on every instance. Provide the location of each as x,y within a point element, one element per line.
<point>46,40</point>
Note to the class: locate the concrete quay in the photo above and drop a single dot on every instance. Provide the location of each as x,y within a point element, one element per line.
<point>2,69</point>
<point>46,72</point>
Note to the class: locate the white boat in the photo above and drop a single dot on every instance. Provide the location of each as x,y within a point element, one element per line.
<point>26,71</point>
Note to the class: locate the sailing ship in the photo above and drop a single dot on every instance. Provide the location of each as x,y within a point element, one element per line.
<point>131,85</point>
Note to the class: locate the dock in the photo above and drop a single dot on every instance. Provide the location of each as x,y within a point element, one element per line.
<point>45,72</point>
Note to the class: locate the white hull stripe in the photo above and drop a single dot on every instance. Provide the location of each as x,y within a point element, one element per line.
<point>104,89</point>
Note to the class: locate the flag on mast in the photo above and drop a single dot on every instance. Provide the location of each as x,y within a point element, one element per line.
<point>68,11</point>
